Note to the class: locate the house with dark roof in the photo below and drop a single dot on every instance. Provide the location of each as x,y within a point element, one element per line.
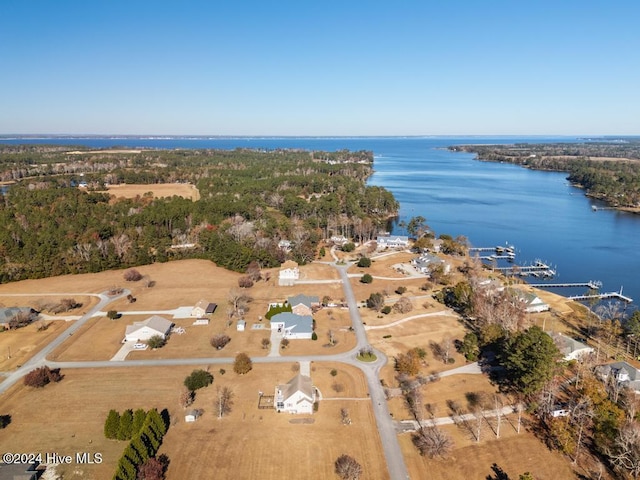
<point>203,308</point>
<point>296,396</point>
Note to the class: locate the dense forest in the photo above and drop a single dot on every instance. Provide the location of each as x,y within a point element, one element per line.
<point>249,200</point>
<point>607,170</point>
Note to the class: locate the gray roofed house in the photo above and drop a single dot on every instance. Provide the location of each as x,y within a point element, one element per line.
<point>18,471</point>
<point>571,349</point>
<point>624,373</point>
<point>296,396</point>
<point>303,304</point>
<point>152,326</point>
<point>293,326</point>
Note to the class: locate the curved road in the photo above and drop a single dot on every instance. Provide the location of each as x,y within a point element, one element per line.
<point>391,447</point>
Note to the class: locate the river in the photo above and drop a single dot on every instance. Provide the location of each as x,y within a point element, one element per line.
<point>490,203</point>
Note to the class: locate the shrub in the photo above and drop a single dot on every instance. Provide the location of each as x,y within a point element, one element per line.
<point>333,372</point>
<point>314,336</point>
<point>222,371</point>
<point>348,247</point>
<point>386,309</point>
<point>266,343</point>
<point>348,468</point>
<point>366,278</point>
<point>132,275</point>
<point>242,364</point>
<point>220,340</point>
<point>245,282</point>
<point>401,290</point>
<point>364,262</point>
<point>42,376</point>
<point>157,341</point>
<point>284,343</point>
<point>113,314</point>
<point>198,379</point>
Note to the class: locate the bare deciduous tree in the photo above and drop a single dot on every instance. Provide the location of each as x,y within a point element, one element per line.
<point>432,442</point>
<point>625,451</point>
<point>223,401</point>
<point>348,468</point>
<point>344,416</point>
<point>186,398</point>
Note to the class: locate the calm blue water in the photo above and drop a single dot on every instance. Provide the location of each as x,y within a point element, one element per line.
<point>489,203</point>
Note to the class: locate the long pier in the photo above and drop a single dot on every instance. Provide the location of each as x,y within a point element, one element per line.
<point>602,296</point>
<point>593,285</point>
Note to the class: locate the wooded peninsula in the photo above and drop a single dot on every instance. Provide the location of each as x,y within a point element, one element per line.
<point>58,215</point>
<point>608,170</point>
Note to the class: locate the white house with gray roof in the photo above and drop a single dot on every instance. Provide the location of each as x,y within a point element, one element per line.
<point>570,348</point>
<point>624,373</point>
<point>296,396</point>
<point>293,326</point>
<point>143,331</point>
<point>392,241</point>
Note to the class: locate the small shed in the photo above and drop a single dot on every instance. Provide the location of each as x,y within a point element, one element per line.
<point>191,416</point>
<point>241,325</point>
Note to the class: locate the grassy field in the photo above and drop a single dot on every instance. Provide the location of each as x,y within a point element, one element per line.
<point>158,190</point>
<point>249,443</point>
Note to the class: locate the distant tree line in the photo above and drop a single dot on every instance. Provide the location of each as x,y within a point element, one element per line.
<point>249,201</point>
<point>609,171</point>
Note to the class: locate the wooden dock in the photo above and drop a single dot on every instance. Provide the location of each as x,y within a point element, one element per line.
<point>602,296</point>
<point>592,284</point>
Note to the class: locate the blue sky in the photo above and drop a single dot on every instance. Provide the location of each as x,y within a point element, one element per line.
<point>320,68</point>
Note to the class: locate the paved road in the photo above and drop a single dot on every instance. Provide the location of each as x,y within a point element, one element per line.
<point>39,359</point>
<point>391,447</point>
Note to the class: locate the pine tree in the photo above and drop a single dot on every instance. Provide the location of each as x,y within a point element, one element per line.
<point>139,417</point>
<point>126,422</point>
<point>112,424</point>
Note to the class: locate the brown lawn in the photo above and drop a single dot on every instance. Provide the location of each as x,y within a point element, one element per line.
<point>513,453</point>
<point>18,346</point>
<point>241,445</point>
<point>158,190</point>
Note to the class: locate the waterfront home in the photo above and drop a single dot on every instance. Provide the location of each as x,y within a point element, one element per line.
<point>427,261</point>
<point>571,349</point>
<point>532,303</point>
<point>623,373</point>
<point>389,241</point>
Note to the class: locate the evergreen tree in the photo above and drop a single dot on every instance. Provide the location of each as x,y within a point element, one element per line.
<point>530,360</point>
<point>126,422</point>
<point>139,416</point>
<point>112,425</point>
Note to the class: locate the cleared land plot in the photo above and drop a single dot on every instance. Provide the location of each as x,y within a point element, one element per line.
<point>513,453</point>
<point>158,190</point>
<point>18,346</point>
<point>253,443</point>
<point>70,417</point>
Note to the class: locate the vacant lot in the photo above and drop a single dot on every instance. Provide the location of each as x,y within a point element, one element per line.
<point>18,346</point>
<point>70,417</point>
<point>158,190</point>
<point>513,453</point>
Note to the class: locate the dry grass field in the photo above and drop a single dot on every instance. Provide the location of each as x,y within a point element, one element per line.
<point>249,443</point>
<point>513,453</point>
<point>18,346</point>
<point>158,190</point>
